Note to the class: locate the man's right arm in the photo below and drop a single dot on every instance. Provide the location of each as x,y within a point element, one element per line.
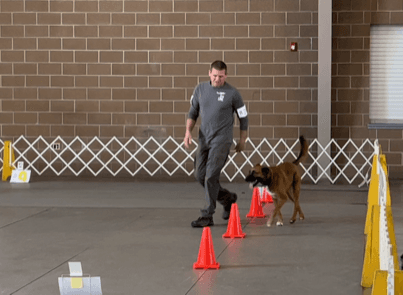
<point>190,124</point>
<point>192,117</point>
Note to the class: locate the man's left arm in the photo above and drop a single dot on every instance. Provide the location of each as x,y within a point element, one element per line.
<point>243,123</point>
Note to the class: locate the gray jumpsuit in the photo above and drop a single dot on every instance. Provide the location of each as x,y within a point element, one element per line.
<point>216,107</point>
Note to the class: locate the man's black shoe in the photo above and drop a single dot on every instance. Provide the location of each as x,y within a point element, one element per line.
<point>227,208</point>
<point>203,221</point>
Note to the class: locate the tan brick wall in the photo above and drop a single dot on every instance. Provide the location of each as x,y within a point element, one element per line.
<point>350,73</point>
<point>128,67</point>
<point>117,68</point>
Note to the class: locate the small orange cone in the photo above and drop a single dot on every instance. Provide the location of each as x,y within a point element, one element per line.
<point>266,198</point>
<point>256,209</point>
<point>206,258</point>
<point>234,229</point>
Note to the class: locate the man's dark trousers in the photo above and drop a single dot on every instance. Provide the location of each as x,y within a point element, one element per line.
<point>209,162</point>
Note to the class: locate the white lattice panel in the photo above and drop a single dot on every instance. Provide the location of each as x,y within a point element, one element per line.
<point>133,156</point>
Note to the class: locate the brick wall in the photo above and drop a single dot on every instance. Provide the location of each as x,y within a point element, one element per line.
<point>350,73</point>
<point>128,68</point>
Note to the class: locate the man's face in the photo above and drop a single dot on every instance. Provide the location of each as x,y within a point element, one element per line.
<point>217,78</point>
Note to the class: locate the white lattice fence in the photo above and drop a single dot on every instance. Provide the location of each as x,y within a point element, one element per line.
<point>349,161</point>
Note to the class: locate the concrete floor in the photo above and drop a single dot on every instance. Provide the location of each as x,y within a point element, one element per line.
<point>137,237</point>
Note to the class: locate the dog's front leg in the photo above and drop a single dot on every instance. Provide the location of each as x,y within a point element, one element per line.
<point>273,214</point>
<point>279,219</point>
<point>270,220</point>
<point>277,211</point>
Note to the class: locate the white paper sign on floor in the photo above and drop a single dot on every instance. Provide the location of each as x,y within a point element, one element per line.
<point>20,176</point>
<point>79,284</point>
<point>88,286</point>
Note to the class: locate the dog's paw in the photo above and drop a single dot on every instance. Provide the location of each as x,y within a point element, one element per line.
<point>292,221</point>
<point>279,223</point>
<point>268,223</point>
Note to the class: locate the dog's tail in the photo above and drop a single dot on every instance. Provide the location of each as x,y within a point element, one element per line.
<point>304,151</point>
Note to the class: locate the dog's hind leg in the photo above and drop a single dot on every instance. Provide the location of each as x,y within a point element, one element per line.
<point>297,207</point>
<point>294,214</point>
<point>301,214</point>
<point>290,197</point>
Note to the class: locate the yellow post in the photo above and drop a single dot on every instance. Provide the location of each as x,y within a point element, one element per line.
<point>8,159</point>
<point>399,282</point>
<point>382,159</point>
<point>373,193</point>
<point>371,257</point>
<point>392,237</point>
<point>380,285</point>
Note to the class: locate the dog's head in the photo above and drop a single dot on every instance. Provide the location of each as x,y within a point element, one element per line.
<point>258,175</point>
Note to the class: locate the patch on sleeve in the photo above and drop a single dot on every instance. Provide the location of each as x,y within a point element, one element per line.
<point>191,98</point>
<point>242,113</point>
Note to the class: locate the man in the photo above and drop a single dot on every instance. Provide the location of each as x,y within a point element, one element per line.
<point>215,102</point>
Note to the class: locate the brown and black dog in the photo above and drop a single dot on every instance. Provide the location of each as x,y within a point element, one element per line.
<point>279,180</point>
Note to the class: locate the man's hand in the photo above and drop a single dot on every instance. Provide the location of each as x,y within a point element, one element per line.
<point>241,144</point>
<point>240,147</point>
<point>188,139</point>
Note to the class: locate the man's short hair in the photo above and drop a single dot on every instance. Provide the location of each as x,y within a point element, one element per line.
<point>219,66</point>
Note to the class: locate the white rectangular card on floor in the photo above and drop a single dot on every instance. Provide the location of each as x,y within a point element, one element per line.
<point>20,176</point>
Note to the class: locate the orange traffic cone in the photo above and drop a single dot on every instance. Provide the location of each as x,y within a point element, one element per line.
<point>234,229</point>
<point>266,198</point>
<point>256,209</point>
<point>206,257</point>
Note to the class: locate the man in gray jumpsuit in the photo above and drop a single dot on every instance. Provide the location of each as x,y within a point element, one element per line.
<point>215,102</point>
